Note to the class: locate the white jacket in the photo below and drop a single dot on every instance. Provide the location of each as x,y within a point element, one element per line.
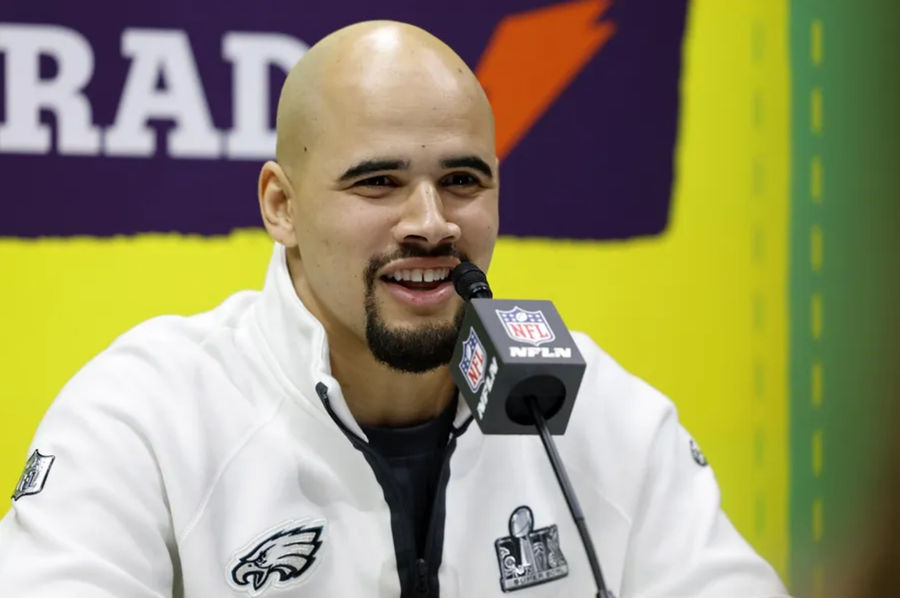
<point>194,457</point>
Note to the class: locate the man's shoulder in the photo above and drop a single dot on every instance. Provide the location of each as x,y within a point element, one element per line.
<point>156,357</point>
<point>615,422</point>
<point>166,333</point>
<point>616,402</point>
<point>174,396</point>
<point>613,381</point>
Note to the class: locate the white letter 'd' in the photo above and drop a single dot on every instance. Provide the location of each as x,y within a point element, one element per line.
<point>252,54</point>
<point>162,53</point>
<point>27,93</point>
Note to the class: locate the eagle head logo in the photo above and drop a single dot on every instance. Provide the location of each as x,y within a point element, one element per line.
<point>279,558</point>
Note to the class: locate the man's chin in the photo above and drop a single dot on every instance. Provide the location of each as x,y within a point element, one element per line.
<point>413,345</point>
<point>411,350</point>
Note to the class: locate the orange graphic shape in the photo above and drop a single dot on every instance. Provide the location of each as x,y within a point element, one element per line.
<point>532,57</point>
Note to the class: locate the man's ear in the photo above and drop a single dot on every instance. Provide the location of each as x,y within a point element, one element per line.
<point>275,204</point>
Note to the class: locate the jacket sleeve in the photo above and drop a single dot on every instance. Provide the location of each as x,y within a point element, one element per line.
<point>99,527</point>
<point>682,544</point>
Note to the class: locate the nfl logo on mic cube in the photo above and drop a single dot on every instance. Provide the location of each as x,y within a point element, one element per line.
<point>526,326</point>
<point>472,362</point>
<point>510,349</point>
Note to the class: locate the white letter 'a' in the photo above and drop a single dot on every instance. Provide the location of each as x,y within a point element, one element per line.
<point>252,54</point>
<point>27,93</point>
<point>166,53</point>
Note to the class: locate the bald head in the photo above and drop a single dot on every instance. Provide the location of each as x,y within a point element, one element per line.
<point>378,70</point>
<point>385,160</point>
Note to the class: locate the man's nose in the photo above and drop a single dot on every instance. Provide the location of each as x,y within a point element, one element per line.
<point>424,219</point>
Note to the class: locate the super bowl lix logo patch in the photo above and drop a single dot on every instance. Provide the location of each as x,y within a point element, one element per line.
<point>279,557</point>
<point>526,326</point>
<point>35,475</point>
<point>529,556</point>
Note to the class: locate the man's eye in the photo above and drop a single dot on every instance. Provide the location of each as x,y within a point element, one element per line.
<point>376,181</point>
<point>459,179</point>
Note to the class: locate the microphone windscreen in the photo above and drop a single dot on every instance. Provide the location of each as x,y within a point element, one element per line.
<point>470,282</point>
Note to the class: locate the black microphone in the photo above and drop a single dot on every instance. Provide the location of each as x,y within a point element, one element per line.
<point>518,369</point>
<point>470,282</point>
<point>509,350</point>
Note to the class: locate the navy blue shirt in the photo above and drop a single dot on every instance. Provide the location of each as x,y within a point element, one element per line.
<point>414,456</point>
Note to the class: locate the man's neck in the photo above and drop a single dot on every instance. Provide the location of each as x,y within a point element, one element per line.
<point>378,395</point>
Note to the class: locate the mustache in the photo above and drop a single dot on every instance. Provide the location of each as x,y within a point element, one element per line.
<point>378,262</point>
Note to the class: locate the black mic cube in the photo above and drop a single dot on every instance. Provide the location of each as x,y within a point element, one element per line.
<point>508,351</point>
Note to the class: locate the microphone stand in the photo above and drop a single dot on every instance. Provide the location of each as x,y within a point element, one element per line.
<point>569,493</point>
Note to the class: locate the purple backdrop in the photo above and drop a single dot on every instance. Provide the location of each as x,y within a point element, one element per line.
<point>597,164</point>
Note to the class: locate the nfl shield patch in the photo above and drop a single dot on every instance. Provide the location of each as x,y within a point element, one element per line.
<point>36,469</point>
<point>525,326</point>
<point>472,362</point>
<point>697,454</point>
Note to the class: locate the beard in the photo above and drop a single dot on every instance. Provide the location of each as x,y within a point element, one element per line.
<point>409,350</point>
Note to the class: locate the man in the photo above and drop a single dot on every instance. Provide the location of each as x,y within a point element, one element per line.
<point>307,440</point>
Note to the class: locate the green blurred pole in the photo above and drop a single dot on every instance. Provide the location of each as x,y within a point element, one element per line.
<point>844,278</point>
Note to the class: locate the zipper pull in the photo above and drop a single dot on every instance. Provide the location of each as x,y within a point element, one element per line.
<point>421,577</point>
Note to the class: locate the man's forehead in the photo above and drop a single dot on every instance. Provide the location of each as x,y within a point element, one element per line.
<point>411,94</point>
<point>390,93</point>
<point>394,56</point>
<point>418,135</point>
<point>409,104</point>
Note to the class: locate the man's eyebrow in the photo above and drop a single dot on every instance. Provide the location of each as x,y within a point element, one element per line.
<point>473,162</point>
<point>367,166</point>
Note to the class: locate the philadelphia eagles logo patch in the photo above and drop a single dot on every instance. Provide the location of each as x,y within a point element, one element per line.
<point>529,556</point>
<point>279,557</point>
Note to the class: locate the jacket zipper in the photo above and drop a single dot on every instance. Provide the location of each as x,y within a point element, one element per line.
<point>419,567</point>
<point>421,577</point>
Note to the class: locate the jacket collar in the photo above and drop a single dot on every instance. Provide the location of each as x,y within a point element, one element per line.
<point>299,345</point>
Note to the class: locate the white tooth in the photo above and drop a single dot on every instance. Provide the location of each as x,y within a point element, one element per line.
<point>428,275</point>
<point>417,275</point>
<point>404,274</point>
<point>396,276</point>
<point>445,272</point>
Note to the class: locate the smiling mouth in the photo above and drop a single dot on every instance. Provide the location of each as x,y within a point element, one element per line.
<point>419,279</point>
